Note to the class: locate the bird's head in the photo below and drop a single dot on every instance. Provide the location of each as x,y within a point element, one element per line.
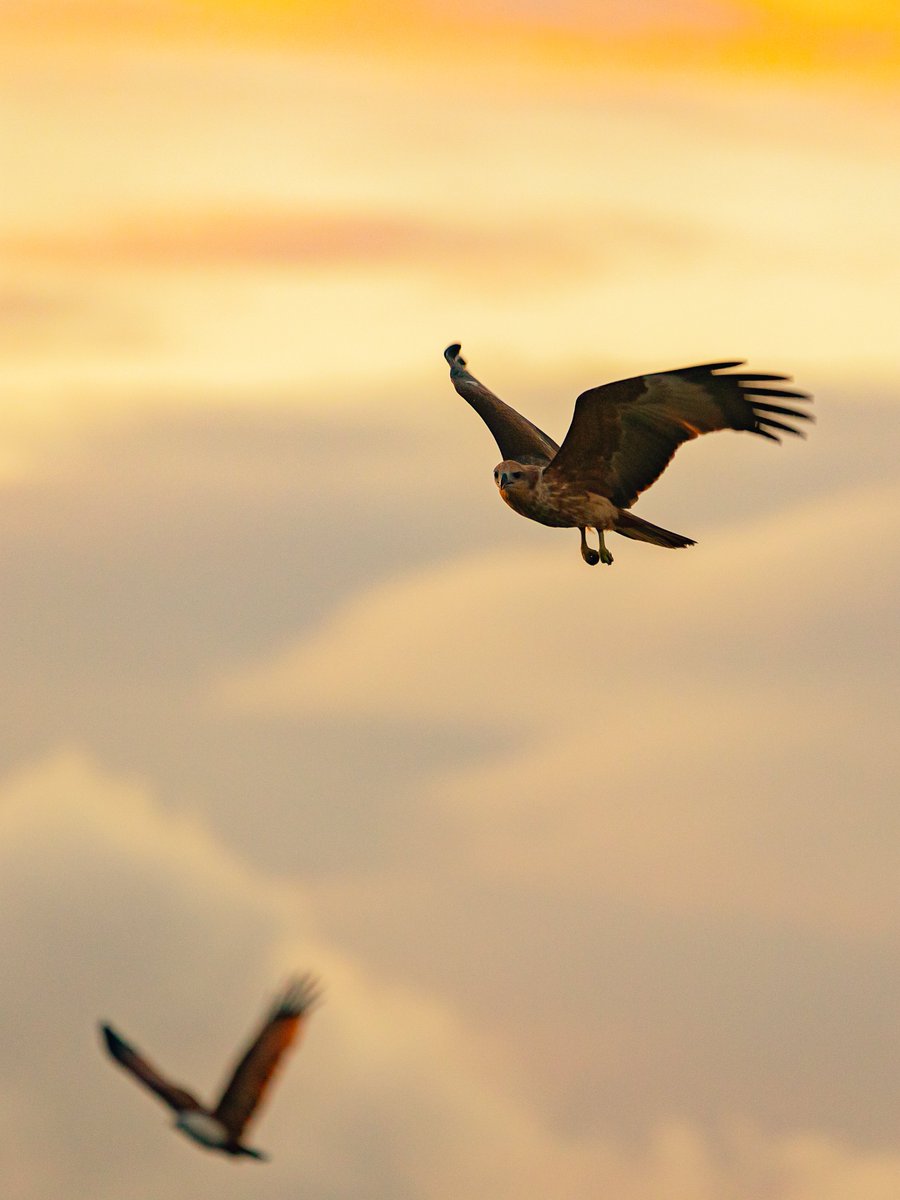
<point>515,477</point>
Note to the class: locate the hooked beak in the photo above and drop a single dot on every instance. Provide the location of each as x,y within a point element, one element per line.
<point>502,480</point>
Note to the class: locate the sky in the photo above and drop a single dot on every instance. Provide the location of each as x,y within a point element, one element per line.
<point>598,867</point>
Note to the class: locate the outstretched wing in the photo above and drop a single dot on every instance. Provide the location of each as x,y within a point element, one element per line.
<point>515,435</point>
<point>254,1072</point>
<point>176,1097</point>
<point>624,434</point>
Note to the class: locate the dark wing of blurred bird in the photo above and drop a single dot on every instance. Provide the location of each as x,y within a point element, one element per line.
<point>622,437</point>
<point>221,1128</point>
<point>254,1072</point>
<point>132,1060</point>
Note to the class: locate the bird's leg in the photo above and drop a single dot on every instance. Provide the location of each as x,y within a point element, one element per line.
<point>605,556</point>
<point>591,557</point>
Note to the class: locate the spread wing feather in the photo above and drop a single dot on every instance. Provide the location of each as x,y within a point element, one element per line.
<point>176,1098</point>
<point>623,435</point>
<point>255,1070</point>
<point>515,435</point>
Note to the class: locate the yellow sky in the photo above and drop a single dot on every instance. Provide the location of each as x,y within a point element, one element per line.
<point>842,37</point>
<point>213,221</point>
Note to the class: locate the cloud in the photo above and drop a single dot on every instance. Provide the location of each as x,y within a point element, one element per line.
<point>705,18</point>
<point>556,949</point>
<point>291,239</point>
<point>681,841</point>
<point>509,253</point>
<point>412,645</point>
<point>673,32</point>
<point>140,916</point>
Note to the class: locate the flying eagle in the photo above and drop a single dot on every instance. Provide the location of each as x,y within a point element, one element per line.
<point>621,439</point>
<point>222,1127</point>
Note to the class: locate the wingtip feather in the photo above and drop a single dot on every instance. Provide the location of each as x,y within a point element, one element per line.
<point>299,997</point>
<point>114,1044</point>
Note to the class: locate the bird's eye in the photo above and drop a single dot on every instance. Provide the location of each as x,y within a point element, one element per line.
<point>515,475</point>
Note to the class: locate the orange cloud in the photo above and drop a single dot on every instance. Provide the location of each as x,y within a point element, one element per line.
<point>271,237</point>
<point>839,36</point>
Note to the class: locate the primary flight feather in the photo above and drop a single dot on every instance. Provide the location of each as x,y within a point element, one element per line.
<point>222,1127</point>
<point>621,439</point>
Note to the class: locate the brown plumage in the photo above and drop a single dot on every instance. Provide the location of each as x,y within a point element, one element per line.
<point>221,1128</point>
<point>622,437</point>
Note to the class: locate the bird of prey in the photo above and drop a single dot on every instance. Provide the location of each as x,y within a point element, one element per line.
<point>222,1127</point>
<point>621,439</point>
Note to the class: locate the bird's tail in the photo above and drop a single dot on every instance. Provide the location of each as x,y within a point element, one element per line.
<point>251,1153</point>
<point>631,526</point>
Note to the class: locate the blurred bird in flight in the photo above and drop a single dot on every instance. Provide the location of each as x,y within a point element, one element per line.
<point>621,439</point>
<point>222,1127</point>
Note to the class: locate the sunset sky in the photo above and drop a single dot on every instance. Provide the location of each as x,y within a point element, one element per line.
<point>599,868</point>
